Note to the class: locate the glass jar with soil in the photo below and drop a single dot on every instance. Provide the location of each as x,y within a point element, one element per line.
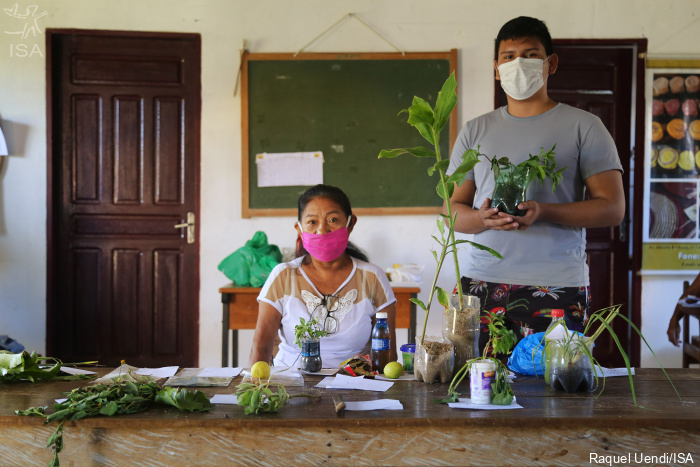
<point>570,367</point>
<point>434,360</point>
<point>310,355</point>
<point>460,325</point>
<point>510,190</point>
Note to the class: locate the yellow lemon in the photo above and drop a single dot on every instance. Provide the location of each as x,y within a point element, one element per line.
<point>260,370</point>
<point>686,160</point>
<point>393,370</point>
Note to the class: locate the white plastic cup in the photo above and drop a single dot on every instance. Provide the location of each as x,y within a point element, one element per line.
<point>480,378</point>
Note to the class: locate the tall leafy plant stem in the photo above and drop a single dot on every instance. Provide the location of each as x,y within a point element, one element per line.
<point>451,233</point>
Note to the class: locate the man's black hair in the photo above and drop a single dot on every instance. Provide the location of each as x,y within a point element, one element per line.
<point>525,27</point>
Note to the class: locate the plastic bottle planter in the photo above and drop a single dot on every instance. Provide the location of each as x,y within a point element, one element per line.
<point>481,375</point>
<point>570,369</point>
<point>311,355</point>
<point>434,360</point>
<point>510,190</point>
<point>460,325</point>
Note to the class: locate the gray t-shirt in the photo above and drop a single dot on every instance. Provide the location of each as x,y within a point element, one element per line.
<point>545,254</point>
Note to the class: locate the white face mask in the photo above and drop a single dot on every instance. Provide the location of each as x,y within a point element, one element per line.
<point>522,77</point>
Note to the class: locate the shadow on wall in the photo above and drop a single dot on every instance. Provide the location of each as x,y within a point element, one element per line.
<point>16,137</point>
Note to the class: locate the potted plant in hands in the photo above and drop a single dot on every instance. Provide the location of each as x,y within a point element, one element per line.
<point>434,357</point>
<point>512,180</point>
<point>501,342</point>
<point>307,335</point>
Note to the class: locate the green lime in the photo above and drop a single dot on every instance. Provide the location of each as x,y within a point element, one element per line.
<point>393,370</point>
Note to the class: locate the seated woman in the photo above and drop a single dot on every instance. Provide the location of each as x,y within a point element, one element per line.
<point>330,280</point>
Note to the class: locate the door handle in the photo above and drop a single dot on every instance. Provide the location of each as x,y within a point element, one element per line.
<point>190,227</point>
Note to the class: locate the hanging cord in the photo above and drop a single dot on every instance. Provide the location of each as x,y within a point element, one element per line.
<point>240,67</point>
<point>350,15</point>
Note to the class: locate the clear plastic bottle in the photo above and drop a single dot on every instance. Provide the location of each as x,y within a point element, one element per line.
<point>381,343</point>
<point>557,318</point>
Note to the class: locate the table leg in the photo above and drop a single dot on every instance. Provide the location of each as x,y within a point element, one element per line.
<point>225,330</point>
<point>412,324</point>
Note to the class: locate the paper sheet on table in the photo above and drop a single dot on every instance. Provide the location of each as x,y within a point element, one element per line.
<point>325,382</point>
<point>466,403</point>
<point>224,399</point>
<point>162,372</point>
<point>123,373</point>
<point>289,168</point>
<point>403,377</point>
<point>322,372</point>
<point>76,371</point>
<point>188,377</point>
<point>357,382</point>
<point>609,372</point>
<point>283,375</point>
<point>379,404</point>
<point>226,372</point>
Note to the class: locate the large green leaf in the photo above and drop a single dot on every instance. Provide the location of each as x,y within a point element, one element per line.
<point>443,297</point>
<point>421,116</point>
<point>479,246</point>
<point>469,159</point>
<point>418,151</point>
<point>441,165</point>
<point>417,302</point>
<point>441,192</point>
<point>420,112</point>
<point>446,100</point>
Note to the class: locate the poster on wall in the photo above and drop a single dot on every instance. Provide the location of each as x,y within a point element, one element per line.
<point>672,178</point>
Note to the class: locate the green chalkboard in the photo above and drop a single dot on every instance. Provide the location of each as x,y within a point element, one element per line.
<point>346,106</point>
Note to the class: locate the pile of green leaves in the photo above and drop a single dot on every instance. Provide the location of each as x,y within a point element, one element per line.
<point>21,366</point>
<point>307,330</point>
<point>258,398</point>
<point>115,398</point>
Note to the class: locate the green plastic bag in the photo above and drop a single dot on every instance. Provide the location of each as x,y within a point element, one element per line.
<point>250,265</point>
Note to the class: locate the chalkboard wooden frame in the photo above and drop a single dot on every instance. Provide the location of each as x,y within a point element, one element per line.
<point>247,123</point>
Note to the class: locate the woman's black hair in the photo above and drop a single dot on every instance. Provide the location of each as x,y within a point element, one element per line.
<point>525,26</point>
<point>339,197</point>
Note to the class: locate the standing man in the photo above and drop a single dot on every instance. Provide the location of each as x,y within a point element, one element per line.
<point>544,251</point>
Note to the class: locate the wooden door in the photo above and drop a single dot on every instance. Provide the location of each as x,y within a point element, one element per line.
<point>602,77</point>
<point>123,282</point>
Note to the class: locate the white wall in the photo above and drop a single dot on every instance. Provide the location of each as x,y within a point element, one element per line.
<point>282,26</point>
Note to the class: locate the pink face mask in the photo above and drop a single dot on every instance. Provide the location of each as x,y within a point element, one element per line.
<point>326,247</point>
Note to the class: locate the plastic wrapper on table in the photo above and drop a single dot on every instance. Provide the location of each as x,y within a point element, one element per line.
<point>527,356</point>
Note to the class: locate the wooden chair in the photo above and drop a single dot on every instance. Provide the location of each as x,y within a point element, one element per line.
<point>691,345</point>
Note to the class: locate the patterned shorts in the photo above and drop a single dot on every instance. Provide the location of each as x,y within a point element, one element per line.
<point>528,308</point>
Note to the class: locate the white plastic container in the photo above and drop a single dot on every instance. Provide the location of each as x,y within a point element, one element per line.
<point>480,378</point>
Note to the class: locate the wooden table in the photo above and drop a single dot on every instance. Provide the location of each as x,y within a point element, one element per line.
<point>552,429</point>
<point>240,311</point>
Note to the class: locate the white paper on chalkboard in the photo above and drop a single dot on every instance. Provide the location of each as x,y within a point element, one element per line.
<point>289,168</point>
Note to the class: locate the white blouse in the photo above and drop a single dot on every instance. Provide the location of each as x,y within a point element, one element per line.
<point>365,291</point>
